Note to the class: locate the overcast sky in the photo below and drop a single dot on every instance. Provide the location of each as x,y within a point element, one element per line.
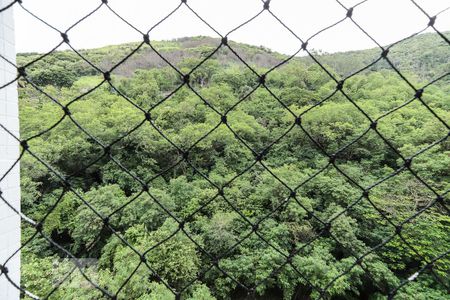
<point>386,20</point>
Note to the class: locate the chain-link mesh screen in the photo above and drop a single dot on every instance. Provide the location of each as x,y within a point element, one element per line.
<point>297,242</point>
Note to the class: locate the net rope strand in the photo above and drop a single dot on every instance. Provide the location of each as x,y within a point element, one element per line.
<point>184,153</point>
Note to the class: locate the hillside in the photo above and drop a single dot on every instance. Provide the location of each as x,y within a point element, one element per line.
<point>218,186</point>
<point>426,56</point>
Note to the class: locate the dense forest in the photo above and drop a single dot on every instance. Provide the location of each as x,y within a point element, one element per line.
<point>181,183</point>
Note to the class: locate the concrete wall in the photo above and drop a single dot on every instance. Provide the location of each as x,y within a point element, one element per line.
<point>9,152</point>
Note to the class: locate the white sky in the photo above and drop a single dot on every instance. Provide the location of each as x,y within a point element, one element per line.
<point>386,20</point>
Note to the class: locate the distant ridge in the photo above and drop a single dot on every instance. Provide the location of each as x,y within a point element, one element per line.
<point>426,55</point>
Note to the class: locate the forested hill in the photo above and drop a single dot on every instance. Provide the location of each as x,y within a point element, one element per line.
<point>426,56</point>
<point>223,184</point>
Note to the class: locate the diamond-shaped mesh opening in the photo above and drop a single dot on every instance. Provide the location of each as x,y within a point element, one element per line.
<point>307,14</point>
<point>260,31</point>
<point>205,168</point>
<point>340,31</point>
<point>390,19</point>
<point>100,31</point>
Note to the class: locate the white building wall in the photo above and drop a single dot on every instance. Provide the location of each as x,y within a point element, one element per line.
<point>9,152</point>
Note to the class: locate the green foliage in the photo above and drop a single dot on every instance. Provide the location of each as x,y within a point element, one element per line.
<point>176,256</point>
